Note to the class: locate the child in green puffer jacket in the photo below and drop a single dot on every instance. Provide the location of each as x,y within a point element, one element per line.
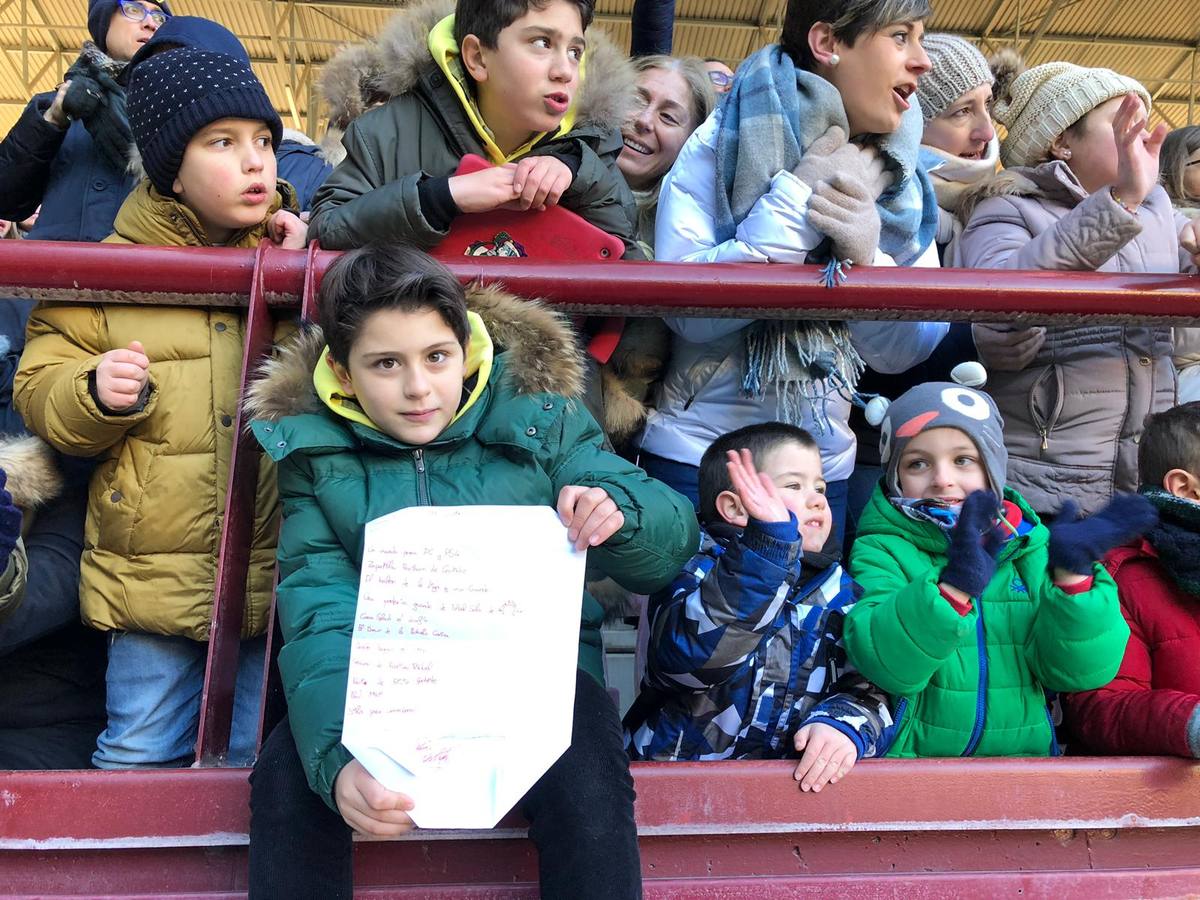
<point>972,609</point>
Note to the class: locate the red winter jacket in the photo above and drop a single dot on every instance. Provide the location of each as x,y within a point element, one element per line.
<point>1145,709</point>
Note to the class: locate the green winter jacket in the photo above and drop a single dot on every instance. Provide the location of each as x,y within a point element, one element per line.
<point>974,685</point>
<point>521,440</point>
<point>423,131</point>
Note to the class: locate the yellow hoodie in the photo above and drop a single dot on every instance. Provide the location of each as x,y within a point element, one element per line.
<point>480,353</point>
<point>445,52</point>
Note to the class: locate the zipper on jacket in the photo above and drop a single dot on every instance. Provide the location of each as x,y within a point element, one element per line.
<point>981,697</point>
<point>422,482</point>
<point>1045,438</point>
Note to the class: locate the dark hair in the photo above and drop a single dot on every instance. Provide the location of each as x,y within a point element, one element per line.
<point>1179,145</point>
<point>760,440</point>
<point>1170,440</point>
<point>487,18</point>
<point>386,276</point>
<point>849,18</point>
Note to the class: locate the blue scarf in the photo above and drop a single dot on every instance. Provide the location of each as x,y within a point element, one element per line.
<point>769,119</point>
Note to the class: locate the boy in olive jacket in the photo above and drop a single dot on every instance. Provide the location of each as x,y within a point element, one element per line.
<point>516,82</point>
<point>409,405</point>
<point>971,608</point>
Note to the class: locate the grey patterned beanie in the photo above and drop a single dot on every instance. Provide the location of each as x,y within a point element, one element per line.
<point>942,404</point>
<point>957,68</point>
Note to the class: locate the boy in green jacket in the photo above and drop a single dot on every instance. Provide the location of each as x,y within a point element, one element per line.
<point>514,81</point>
<point>399,401</point>
<point>972,609</point>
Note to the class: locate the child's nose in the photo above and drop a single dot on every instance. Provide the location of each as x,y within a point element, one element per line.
<point>561,69</point>
<point>254,160</point>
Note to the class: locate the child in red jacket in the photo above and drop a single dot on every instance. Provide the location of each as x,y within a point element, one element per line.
<point>1153,705</point>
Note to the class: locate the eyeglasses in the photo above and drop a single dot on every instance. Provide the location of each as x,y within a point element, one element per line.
<point>719,78</point>
<point>135,12</point>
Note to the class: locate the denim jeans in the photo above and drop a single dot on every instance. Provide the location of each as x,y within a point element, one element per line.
<point>154,687</point>
<point>580,814</point>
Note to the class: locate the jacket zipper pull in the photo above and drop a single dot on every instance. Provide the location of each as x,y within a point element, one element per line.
<point>419,456</point>
<point>1045,438</point>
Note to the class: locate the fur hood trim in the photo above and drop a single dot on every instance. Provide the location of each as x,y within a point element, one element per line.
<point>1015,182</point>
<point>32,470</point>
<point>392,63</point>
<point>297,137</point>
<point>543,356</point>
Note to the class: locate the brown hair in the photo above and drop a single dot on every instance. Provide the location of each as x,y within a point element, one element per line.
<point>849,19</point>
<point>1170,440</point>
<point>1179,145</point>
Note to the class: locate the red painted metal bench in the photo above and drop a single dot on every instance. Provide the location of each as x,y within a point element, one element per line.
<point>1076,827</point>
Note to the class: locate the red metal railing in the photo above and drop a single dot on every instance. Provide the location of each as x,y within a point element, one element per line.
<point>885,830</point>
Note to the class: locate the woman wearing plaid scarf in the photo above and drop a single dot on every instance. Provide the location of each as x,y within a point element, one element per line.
<point>812,157</point>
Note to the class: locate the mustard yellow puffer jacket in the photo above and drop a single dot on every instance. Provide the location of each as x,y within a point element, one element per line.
<point>158,494</point>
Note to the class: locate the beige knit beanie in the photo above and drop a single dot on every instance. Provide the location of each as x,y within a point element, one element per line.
<point>957,68</point>
<point>1046,100</point>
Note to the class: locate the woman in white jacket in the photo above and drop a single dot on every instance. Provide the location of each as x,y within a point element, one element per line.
<point>771,178</point>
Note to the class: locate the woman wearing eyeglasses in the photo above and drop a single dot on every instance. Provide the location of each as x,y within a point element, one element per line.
<point>719,74</point>
<point>1179,169</point>
<point>70,148</point>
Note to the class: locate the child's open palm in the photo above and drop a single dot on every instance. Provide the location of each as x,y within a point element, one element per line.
<point>828,756</point>
<point>757,492</point>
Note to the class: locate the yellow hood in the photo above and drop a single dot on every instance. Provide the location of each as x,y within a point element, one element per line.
<point>480,352</point>
<point>445,53</point>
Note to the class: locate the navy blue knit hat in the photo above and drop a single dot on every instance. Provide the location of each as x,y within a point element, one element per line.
<point>173,95</point>
<point>193,32</point>
<point>100,13</point>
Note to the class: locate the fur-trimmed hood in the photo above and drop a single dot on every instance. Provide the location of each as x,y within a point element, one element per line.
<point>33,477</point>
<point>1052,180</point>
<point>362,74</point>
<point>543,356</point>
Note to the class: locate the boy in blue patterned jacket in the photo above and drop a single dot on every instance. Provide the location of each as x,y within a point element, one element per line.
<point>745,658</point>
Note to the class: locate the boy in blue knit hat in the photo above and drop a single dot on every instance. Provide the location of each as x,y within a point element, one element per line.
<point>153,393</point>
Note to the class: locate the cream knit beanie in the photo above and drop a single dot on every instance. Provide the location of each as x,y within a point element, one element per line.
<point>1046,100</point>
<point>957,68</point>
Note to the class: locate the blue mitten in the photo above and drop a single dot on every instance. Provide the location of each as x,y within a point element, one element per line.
<point>10,523</point>
<point>974,545</point>
<point>1077,544</point>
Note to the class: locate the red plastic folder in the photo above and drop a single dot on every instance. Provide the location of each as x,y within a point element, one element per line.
<point>553,235</point>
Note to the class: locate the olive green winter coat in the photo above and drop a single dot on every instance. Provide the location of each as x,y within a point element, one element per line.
<point>974,684</point>
<point>519,442</point>
<point>423,131</point>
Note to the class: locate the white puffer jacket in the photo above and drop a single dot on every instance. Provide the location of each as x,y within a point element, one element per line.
<point>701,396</point>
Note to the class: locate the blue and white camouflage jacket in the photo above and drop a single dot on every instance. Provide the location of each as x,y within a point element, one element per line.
<point>746,648</point>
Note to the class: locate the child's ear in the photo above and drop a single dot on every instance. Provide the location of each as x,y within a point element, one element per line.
<point>177,187</point>
<point>729,508</point>
<point>342,374</point>
<point>1182,483</point>
<point>471,54</point>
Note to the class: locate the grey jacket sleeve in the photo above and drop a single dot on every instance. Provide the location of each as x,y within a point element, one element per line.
<point>12,580</point>
<point>998,236</point>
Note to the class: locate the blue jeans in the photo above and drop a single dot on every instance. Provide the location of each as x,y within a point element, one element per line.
<point>686,479</point>
<point>154,688</point>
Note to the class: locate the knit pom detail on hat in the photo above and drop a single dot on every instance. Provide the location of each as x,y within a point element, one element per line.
<point>957,68</point>
<point>1006,64</point>
<point>175,94</point>
<point>1045,101</point>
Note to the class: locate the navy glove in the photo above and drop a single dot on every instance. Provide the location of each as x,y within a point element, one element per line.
<point>10,523</point>
<point>1077,544</point>
<point>974,545</point>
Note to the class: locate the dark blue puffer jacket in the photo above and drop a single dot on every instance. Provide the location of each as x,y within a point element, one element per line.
<point>79,191</point>
<point>302,166</point>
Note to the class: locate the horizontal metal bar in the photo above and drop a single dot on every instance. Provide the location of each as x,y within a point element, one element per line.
<point>201,807</point>
<point>221,277</point>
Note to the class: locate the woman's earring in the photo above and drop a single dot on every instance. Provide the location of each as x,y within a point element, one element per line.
<point>834,59</point>
<point>1066,154</point>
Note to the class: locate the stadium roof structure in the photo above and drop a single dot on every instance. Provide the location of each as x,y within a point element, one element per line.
<point>1154,41</point>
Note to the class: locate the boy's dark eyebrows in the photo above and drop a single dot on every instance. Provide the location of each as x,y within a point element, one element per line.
<point>545,31</point>
<point>436,345</point>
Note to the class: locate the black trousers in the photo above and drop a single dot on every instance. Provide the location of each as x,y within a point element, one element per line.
<point>580,814</point>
